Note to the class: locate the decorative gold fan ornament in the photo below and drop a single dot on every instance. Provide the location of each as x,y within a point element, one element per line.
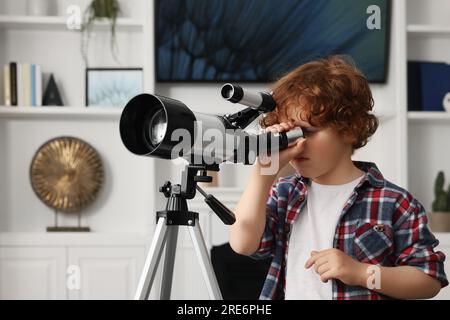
<point>66,174</point>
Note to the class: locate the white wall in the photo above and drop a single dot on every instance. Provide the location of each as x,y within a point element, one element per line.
<point>428,12</point>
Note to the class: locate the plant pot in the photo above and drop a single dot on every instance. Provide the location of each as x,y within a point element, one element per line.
<point>440,221</point>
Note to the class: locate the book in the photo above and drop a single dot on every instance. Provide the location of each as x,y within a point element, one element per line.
<point>7,85</point>
<point>26,84</point>
<point>414,86</point>
<point>38,85</point>
<point>24,81</point>
<point>20,87</point>
<point>435,84</point>
<point>33,85</point>
<point>13,80</point>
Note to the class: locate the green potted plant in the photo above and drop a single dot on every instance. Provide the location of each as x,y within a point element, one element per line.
<point>99,10</point>
<point>440,217</point>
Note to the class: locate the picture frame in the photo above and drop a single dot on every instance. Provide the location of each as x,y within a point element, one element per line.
<point>112,87</point>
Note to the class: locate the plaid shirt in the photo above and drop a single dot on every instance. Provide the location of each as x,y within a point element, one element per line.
<point>380,224</point>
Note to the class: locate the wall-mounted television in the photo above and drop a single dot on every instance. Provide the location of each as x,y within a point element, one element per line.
<point>260,40</point>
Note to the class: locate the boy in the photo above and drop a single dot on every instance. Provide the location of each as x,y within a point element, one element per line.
<point>336,229</point>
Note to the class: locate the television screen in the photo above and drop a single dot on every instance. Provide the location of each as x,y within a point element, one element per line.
<point>260,40</point>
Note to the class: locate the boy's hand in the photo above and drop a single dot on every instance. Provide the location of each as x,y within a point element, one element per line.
<point>335,264</point>
<point>290,153</point>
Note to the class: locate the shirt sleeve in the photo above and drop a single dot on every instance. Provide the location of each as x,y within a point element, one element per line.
<point>267,242</point>
<point>414,242</point>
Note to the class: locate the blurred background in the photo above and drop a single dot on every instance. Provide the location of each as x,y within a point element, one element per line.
<point>69,67</point>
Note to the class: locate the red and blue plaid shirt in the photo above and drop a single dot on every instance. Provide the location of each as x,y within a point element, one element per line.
<point>380,224</point>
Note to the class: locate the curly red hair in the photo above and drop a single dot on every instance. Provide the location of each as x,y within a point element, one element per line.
<point>329,92</point>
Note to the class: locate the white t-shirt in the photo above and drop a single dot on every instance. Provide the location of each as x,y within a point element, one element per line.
<point>314,229</point>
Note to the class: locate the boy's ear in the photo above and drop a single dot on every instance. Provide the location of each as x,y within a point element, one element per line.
<point>349,138</point>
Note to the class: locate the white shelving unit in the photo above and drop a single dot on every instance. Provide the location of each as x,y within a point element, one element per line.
<point>42,261</point>
<point>428,39</point>
<point>34,39</point>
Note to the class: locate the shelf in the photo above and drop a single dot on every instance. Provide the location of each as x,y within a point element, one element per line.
<point>69,113</point>
<point>422,29</point>
<point>58,23</point>
<point>384,114</point>
<point>417,116</point>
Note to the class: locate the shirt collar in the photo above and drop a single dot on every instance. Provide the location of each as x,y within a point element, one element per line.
<point>373,175</point>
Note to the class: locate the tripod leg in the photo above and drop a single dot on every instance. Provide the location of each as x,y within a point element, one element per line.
<point>152,261</point>
<point>169,262</point>
<point>205,263</point>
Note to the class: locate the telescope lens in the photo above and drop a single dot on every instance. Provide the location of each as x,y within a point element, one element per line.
<point>157,127</point>
<point>148,121</point>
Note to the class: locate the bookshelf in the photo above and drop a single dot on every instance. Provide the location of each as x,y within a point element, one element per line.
<point>120,218</point>
<point>428,39</point>
<point>46,41</point>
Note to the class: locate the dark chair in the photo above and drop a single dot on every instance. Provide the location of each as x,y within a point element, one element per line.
<point>240,277</point>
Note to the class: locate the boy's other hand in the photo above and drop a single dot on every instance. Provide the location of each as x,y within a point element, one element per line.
<point>335,264</point>
<point>290,153</point>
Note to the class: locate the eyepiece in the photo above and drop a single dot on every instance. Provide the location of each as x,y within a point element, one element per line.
<point>231,92</point>
<point>260,101</point>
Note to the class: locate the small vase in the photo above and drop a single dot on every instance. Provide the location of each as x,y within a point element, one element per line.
<point>440,221</point>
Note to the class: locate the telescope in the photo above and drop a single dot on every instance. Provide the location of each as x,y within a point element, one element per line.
<point>157,126</point>
<point>161,127</point>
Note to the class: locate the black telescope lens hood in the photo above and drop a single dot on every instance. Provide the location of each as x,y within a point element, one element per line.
<point>135,118</point>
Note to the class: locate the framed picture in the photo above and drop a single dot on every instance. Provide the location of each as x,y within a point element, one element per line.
<point>112,87</point>
<point>260,40</point>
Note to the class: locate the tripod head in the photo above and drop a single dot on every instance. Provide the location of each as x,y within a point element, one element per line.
<point>178,194</point>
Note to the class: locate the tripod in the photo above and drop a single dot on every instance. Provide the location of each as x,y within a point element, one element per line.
<point>168,221</point>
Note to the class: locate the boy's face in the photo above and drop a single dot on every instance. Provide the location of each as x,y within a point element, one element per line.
<point>323,151</point>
